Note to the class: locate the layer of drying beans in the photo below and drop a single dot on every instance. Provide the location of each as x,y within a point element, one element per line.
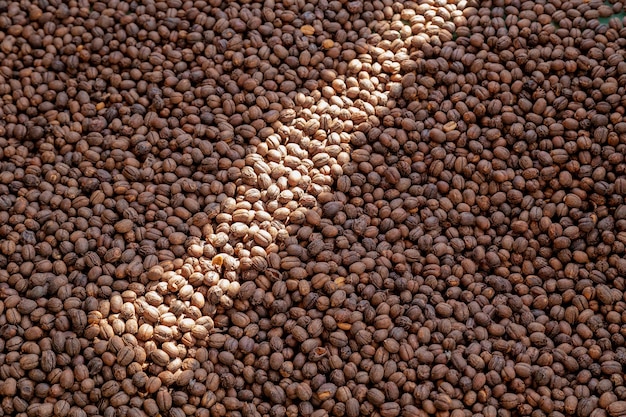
<point>312,208</point>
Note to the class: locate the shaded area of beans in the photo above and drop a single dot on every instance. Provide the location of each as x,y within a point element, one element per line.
<point>290,208</point>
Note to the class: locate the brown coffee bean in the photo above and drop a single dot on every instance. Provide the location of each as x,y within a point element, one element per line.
<point>287,209</point>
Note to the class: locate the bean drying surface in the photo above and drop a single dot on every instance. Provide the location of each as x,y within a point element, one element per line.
<point>311,208</point>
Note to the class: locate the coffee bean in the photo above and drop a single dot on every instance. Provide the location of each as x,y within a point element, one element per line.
<point>311,209</point>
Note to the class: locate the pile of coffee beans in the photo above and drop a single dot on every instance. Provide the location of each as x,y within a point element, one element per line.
<point>312,208</point>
